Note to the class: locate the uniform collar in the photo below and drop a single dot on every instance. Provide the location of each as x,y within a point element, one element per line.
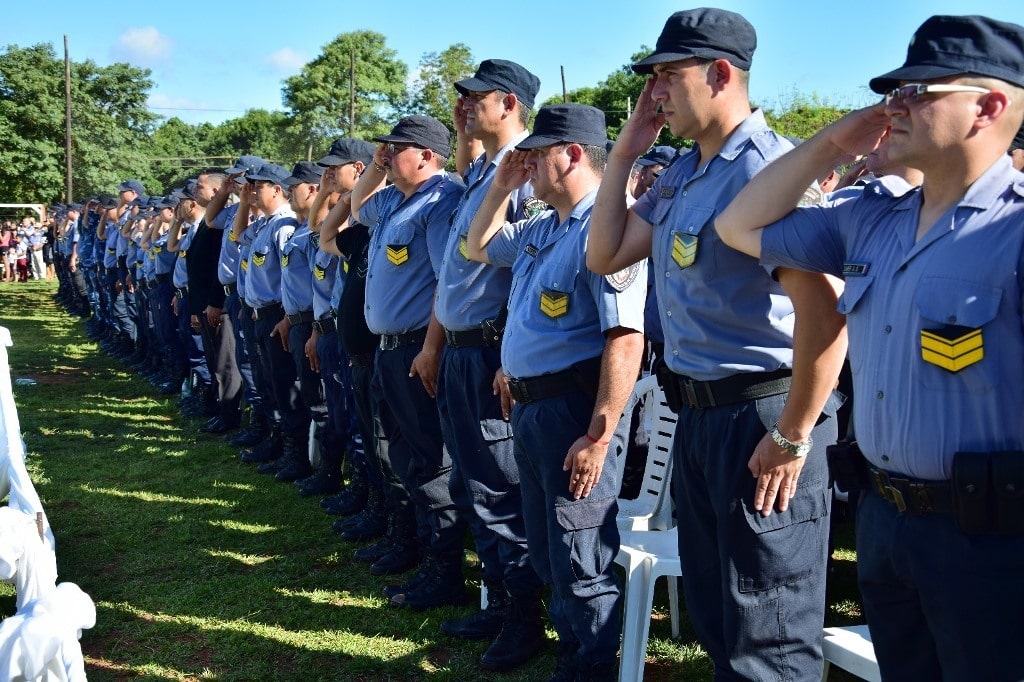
<point>751,125</point>
<point>991,185</point>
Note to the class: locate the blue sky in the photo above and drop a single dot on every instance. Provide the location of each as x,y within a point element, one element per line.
<point>212,61</point>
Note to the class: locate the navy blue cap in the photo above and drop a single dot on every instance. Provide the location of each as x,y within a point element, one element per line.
<point>705,32</point>
<point>108,200</point>
<point>423,131</point>
<point>186,192</point>
<point>567,123</point>
<point>73,207</point>
<point>269,172</point>
<point>953,46</point>
<point>661,155</point>
<point>133,185</point>
<point>304,171</point>
<point>169,201</point>
<point>348,150</point>
<point>501,74</point>
<point>245,164</point>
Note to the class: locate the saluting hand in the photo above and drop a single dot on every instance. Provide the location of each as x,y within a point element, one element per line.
<point>858,132</point>
<point>643,126</point>
<point>512,172</point>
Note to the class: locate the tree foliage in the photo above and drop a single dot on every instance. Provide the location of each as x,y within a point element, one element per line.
<point>433,93</point>
<point>318,97</point>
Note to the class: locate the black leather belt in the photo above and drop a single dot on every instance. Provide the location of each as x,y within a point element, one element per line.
<point>274,309</point>
<point>472,338</point>
<point>362,359</point>
<point>393,341</point>
<point>325,325</point>
<point>583,376</point>
<point>912,496</point>
<point>230,289</point>
<point>738,388</point>
<point>161,279</point>
<point>299,318</point>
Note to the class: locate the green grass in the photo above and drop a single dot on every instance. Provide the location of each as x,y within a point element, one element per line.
<point>202,569</point>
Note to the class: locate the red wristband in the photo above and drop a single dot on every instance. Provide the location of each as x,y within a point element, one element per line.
<point>596,441</point>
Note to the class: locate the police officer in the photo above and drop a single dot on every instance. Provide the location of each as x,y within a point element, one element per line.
<point>409,223</point>
<point>572,352</point>
<point>755,389</point>
<point>933,299</point>
<point>266,241</point>
<point>471,305</point>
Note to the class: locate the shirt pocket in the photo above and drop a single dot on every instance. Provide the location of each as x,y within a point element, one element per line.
<point>953,330</point>
<point>554,297</point>
<point>854,290</point>
<point>690,242</point>
<point>259,256</point>
<point>398,247</point>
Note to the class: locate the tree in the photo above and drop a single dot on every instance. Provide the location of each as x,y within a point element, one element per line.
<point>268,134</point>
<point>802,117</point>
<point>318,97</point>
<point>433,93</point>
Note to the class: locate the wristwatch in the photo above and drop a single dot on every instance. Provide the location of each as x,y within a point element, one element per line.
<point>794,449</point>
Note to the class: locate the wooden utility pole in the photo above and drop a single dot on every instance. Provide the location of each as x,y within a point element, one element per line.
<point>67,123</point>
<point>565,97</point>
<point>352,93</point>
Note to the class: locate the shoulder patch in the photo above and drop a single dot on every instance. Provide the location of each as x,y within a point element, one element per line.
<point>533,206</point>
<point>623,278</point>
<point>813,196</point>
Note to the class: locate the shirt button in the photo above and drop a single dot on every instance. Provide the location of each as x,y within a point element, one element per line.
<point>951,319</point>
<point>888,328</point>
<point>675,352</point>
<point>668,313</point>
<point>684,192</point>
<point>668,274</point>
<point>880,394</point>
<point>885,458</point>
<point>555,284</point>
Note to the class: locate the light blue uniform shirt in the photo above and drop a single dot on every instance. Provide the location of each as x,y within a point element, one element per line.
<point>407,240</point>
<point>165,259</point>
<point>558,309</point>
<point>110,255</point>
<point>227,264</point>
<point>959,289</point>
<point>468,292</point>
<point>263,275</point>
<point>86,243</point>
<point>149,262</point>
<point>180,277</point>
<point>296,273</point>
<point>324,269</point>
<point>721,312</point>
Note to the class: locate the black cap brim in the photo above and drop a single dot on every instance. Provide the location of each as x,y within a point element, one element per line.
<point>887,81</point>
<point>646,65</point>
<point>331,161</point>
<point>468,85</point>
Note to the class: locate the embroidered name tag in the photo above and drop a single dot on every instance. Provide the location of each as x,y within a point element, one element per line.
<point>667,192</point>
<point>554,304</point>
<point>531,250</point>
<point>684,249</point>
<point>855,269</point>
<point>952,347</point>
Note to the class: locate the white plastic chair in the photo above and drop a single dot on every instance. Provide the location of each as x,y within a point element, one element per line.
<point>850,648</point>
<point>646,555</point>
<point>652,509</point>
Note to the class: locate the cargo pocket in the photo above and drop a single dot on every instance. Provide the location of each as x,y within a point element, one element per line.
<point>590,534</point>
<point>786,546</point>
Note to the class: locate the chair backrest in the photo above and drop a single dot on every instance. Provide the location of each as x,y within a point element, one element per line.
<point>652,509</point>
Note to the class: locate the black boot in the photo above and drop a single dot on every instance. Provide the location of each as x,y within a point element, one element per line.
<point>443,587</point>
<point>353,498</point>
<point>485,623</point>
<point>267,451</point>
<point>372,553</point>
<point>373,523</point>
<point>522,637</point>
<point>327,479</point>
<point>255,433</point>
<point>603,671</point>
<point>405,551</point>
<point>425,570</point>
<point>296,459</point>
<point>564,671</point>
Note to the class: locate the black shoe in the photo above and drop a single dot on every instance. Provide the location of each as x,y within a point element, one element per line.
<point>425,570</point>
<point>445,586</point>
<point>267,450</point>
<point>564,671</point>
<point>485,623</point>
<point>522,637</point>
<point>248,437</point>
<point>217,425</point>
<point>371,527</point>
<point>353,498</point>
<point>325,481</point>
<point>273,466</point>
<point>372,553</point>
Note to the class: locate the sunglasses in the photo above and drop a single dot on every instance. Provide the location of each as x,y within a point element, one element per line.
<point>912,91</point>
<point>398,148</point>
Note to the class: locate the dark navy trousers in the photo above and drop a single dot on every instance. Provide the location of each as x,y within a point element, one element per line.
<point>755,586</point>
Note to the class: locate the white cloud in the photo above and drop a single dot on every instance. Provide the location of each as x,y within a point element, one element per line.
<point>286,60</point>
<point>143,46</point>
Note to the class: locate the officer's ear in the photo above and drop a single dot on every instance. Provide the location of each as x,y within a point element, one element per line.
<point>575,152</point>
<point>509,102</point>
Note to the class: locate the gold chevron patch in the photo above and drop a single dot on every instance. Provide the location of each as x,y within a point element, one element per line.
<point>158,249</point>
<point>554,304</point>
<point>952,347</point>
<point>244,264</point>
<point>398,254</point>
<point>152,255</point>
<point>344,266</point>
<point>684,249</point>
<point>319,272</point>
<point>462,248</point>
<point>232,237</point>
<point>111,250</point>
<point>259,259</point>
<point>183,254</point>
<point>284,261</point>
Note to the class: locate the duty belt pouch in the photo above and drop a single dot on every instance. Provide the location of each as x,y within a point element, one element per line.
<point>847,466</point>
<point>1008,491</point>
<point>971,492</point>
<point>669,383</point>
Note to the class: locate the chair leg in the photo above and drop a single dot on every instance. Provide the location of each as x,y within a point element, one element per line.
<point>673,604</point>
<point>636,621</point>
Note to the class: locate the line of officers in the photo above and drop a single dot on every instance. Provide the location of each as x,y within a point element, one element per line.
<point>485,329</point>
